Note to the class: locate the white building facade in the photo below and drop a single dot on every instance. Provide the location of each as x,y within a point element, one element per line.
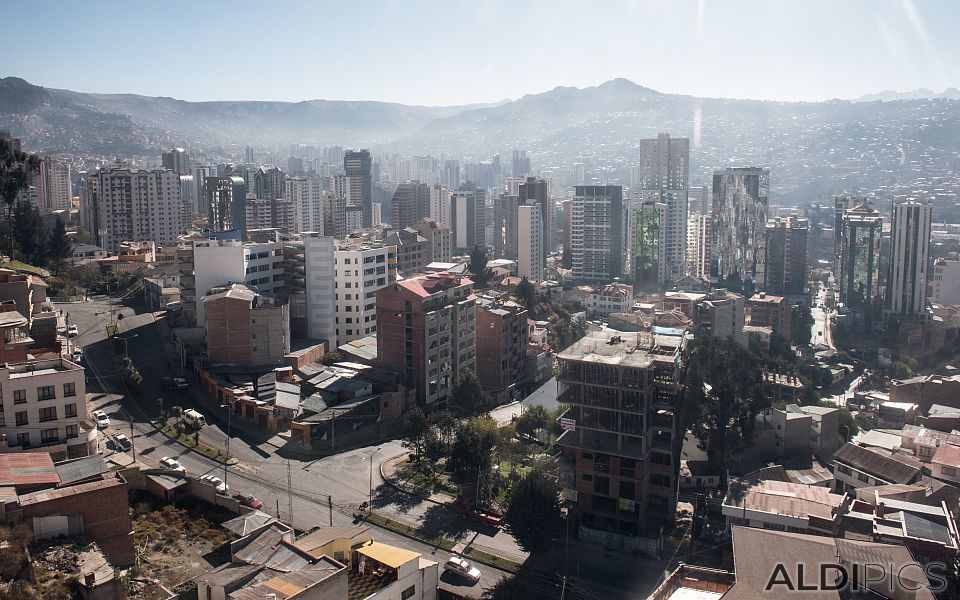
<point>530,261</point>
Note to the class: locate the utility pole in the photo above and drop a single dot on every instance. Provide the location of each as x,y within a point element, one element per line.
<point>289,495</point>
<point>133,447</point>
<point>330,508</point>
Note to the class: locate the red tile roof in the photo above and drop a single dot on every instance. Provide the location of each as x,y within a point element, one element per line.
<point>947,454</point>
<point>27,469</point>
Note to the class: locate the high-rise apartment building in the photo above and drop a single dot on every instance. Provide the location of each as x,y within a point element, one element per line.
<point>530,259</point>
<point>506,226</point>
<point>439,240</point>
<point>739,227</point>
<point>52,187</point>
<point>269,183</point>
<point>226,199</point>
<point>176,160</point>
<point>440,204</point>
<point>411,202</point>
<point>413,251</point>
<point>625,396</point>
<point>359,165</point>
<point>841,204</point>
<point>426,332</point>
<point>698,245</point>
<point>787,256</point>
<point>909,256</point>
<point>307,195</point>
<point>188,196</point>
<point>521,164</point>
<point>597,234</point>
<point>350,273</point>
<point>663,177</point>
<point>451,174</point>
<point>468,216</point>
<point>945,283</point>
<point>125,204</point>
<point>535,191</point>
<point>860,255</point>
<point>646,251</point>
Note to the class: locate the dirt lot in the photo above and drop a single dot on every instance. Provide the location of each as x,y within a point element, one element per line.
<point>177,543</point>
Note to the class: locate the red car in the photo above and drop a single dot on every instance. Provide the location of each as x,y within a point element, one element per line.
<point>479,514</point>
<point>250,500</point>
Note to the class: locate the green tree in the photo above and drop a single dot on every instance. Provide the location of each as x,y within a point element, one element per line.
<point>478,267</point>
<point>510,588</point>
<point>59,246</point>
<point>468,398</point>
<point>533,513</point>
<point>725,392</point>
<point>15,170</point>
<point>527,293</point>
<point>331,357</point>
<point>414,431</point>
<point>30,233</point>
<point>473,447</point>
<point>533,420</point>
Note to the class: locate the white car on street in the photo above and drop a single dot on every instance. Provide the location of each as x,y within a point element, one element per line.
<point>72,331</point>
<point>462,567</point>
<point>103,421</point>
<point>222,488</point>
<point>122,442</point>
<point>173,464</point>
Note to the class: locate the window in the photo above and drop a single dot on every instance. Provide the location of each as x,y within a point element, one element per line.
<point>627,490</point>
<point>69,390</point>
<point>660,480</point>
<point>72,432</point>
<point>844,469</point>
<point>601,485</point>
<point>587,477</point>
<point>948,471</point>
<point>863,477</point>
<point>19,396</point>
<point>337,556</point>
<point>48,414</point>
<point>23,440</point>
<point>46,392</point>
<point>49,435</point>
<point>408,593</point>
<point>70,410</point>
<point>21,418</point>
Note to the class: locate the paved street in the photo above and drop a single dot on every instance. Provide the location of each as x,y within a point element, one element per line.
<point>320,489</point>
<point>821,331</point>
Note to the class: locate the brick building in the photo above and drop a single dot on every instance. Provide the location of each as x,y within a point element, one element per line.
<point>426,331</point>
<point>624,429</point>
<point>245,328</point>
<point>766,310</point>
<point>502,337</point>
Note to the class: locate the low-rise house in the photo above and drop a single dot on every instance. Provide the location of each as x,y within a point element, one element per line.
<point>930,532</point>
<point>895,415</point>
<point>389,572</point>
<point>783,506</point>
<point>770,564</point>
<point>608,299</point>
<point>856,467</point>
<point>945,463</point>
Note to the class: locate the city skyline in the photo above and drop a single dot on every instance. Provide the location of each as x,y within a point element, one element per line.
<point>714,51</point>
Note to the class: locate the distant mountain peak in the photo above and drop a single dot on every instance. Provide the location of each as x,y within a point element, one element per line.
<point>950,93</point>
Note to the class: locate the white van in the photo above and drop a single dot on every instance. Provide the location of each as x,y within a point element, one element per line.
<point>194,418</point>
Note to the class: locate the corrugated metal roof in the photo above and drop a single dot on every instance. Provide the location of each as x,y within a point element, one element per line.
<point>27,469</point>
<point>390,556</point>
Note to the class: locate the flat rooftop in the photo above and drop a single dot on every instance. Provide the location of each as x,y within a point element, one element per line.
<point>629,349</point>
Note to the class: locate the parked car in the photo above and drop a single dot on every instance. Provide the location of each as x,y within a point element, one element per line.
<point>180,383</point>
<point>222,488</point>
<point>249,500</point>
<point>462,567</point>
<point>101,418</point>
<point>122,441</point>
<point>72,331</point>
<point>172,464</point>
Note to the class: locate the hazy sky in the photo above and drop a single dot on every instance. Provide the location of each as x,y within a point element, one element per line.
<point>452,52</point>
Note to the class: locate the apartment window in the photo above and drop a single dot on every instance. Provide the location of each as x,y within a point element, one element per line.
<point>49,435</point>
<point>21,418</point>
<point>660,480</point>
<point>601,485</point>
<point>408,593</point>
<point>46,392</point>
<point>587,477</point>
<point>19,396</point>
<point>69,390</point>
<point>72,431</point>
<point>627,490</point>
<point>70,410</point>
<point>23,440</point>
<point>863,477</point>
<point>844,469</point>
<point>48,414</point>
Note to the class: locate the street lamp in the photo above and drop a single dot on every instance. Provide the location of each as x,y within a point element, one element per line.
<point>229,408</point>
<point>124,340</point>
